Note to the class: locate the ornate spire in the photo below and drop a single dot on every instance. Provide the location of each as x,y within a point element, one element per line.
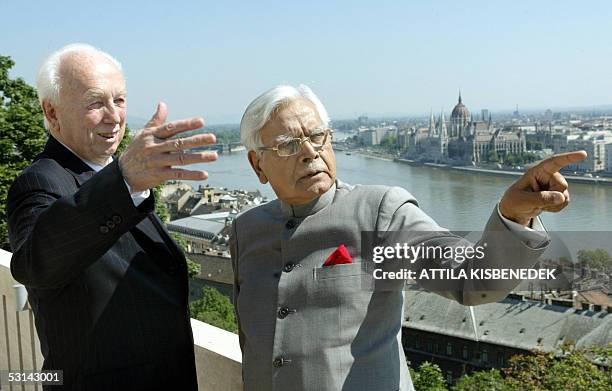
<point>459,95</point>
<point>442,126</point>
<point>432,124</point>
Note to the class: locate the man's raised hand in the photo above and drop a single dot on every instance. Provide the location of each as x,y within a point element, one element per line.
<point>541,188</point>
<point>151,157</point>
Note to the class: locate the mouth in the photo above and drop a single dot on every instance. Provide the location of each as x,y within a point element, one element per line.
<point>109,137</point>
<point>312,174</point>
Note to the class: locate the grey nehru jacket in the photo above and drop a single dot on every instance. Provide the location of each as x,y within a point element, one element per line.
<point>304,327</point>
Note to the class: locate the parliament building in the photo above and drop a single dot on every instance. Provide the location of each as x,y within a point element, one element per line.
<point>462,140</point>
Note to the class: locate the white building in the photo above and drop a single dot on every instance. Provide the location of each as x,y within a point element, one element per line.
<point>594,143</point>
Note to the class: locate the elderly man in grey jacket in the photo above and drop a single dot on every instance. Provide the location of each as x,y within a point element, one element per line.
<point>304,325</point>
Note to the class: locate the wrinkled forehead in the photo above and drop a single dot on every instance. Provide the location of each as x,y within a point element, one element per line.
<point>84,72</point>
<point>296,117</point>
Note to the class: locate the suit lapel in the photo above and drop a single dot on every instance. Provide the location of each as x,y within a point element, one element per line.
<point>72,163</point>
<point>82,172</point>
<point>165,235</point>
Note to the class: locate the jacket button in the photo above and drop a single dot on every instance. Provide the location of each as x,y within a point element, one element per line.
<point>288,267</point>
<point>280,361</point>
<point>290,224</point>
<point>117,219</point>
<point>283,312</point>
<point>104,229</point>
<point>110,224</point>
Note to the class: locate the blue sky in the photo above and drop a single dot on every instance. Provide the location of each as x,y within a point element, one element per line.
<point>375,57</point>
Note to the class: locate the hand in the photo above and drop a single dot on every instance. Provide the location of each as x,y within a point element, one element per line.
<point>541,188</point>
<point>150,157</point>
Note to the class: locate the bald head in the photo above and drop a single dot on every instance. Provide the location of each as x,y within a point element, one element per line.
<point>48,81</point>
<point>87,70</point>
<point>82,92</point>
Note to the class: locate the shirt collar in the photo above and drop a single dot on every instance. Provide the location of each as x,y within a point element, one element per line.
<point>310,208</point>
<point>94,166</point>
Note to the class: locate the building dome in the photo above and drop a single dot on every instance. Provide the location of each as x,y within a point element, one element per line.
<point>460,111</point>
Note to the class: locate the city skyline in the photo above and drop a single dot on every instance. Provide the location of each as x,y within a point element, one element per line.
<point>382,60</point>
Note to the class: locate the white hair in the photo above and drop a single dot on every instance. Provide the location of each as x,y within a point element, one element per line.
<point>262,108</point>
<point>48,79</point>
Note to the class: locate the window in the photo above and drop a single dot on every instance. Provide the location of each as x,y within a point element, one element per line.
<point>465,352</point>
<point>449,377</point>
<point>500,359</point>
<point>449,349</point>
<point>485,355</point>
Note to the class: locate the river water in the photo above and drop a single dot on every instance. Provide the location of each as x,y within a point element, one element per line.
<point>456,200</point>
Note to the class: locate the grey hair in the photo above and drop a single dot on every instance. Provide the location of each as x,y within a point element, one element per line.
<point>48,79</point>
<point>262,108</point>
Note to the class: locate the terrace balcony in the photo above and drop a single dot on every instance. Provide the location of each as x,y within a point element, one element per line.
<point>218,357</point>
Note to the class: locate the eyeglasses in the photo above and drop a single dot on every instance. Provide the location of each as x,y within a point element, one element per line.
<point>292,146</point>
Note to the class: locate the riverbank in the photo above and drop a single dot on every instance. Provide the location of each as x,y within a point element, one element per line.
<point>373,156</point>
<point>505,173</point>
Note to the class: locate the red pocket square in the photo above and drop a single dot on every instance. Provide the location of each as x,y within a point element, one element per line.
<point>338,257</point>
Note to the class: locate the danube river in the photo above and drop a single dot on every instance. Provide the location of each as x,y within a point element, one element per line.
<point>457,201</point>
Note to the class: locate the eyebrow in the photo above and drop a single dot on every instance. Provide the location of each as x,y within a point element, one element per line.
<point>96,93</point>
<point>285,137</point>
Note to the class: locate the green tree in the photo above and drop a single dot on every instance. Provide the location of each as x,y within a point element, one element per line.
<point>545,372</point>
<point>215,309</point>
<point>193,268</point>
<point>428,378</point>
<point>388,142</point>
<point>482,380</point>
<point>125,141</point>
<point>529,157</point>
<point>22,134</point>
<point>492,156</point>
<point>598,258</point>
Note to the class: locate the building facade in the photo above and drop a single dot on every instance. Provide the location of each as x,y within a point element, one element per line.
<point>463,140</point>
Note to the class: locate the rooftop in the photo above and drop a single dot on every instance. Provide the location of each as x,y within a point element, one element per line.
<point>527,325</point>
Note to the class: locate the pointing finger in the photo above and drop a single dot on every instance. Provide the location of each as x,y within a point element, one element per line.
<point>557,162</point>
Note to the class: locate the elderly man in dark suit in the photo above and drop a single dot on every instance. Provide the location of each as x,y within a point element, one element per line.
<point>107,284</point>
<point>306,322</point>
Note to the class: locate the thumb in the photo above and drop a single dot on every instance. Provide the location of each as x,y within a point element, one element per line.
<point>548,198</point>
<point>159,117</point>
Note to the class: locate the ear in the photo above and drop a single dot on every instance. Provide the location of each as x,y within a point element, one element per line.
<point>254,159</point>
<point>50,115</point>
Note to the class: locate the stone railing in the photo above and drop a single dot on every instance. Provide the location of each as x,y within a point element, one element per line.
<point>218,358</point>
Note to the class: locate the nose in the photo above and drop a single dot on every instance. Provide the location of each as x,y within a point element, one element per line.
<point>308,152</point>
<point>112,114</point>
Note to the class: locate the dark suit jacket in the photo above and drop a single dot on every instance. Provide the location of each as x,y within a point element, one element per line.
<point>107,284</point>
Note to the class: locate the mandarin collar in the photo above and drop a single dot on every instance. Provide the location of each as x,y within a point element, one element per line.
<point>310,208</point>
